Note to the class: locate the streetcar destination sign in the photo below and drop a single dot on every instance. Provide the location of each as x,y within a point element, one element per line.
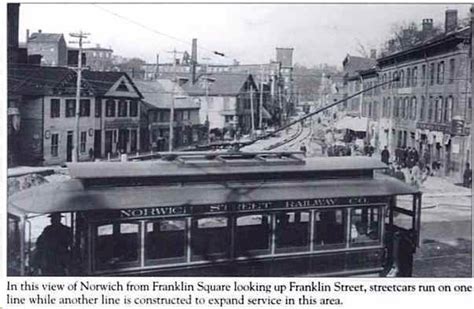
<point>165,211</point>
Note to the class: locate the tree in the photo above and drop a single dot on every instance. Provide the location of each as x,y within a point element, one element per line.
<point>133,67</point>
<point>408,35</point>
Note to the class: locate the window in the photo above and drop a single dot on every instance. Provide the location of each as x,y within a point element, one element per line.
<point>408,77</point>
<point>70,108</point>
<point>55,107</point>
<point>330,228</point>
<point>423,74</point>
<point>365,226</point>
<point>116,245</point>
<point>414,80</point>
<point>228,118</point>
<point>54,144</point>
<point>430,110</point>
<point>422,108</point>
<point>440,76</point>
<point>384,78</point>
<point>469,110</point>
<point>292,231</point>
<point>413,108</point>
<point>389,107</point>
<point>133,108</point>
<point>165,241</point>
<point>402,79</point>
<point>452,70</point>
<point>439,110</point>
<point>110,108</point>
<point>448,109</point>
<point>85,108</point>
<point>252,235</point>
<point>122,109</point>
<point>98,107</point>
<point>210,237</point>
<point>390,80</point>
<point>395,107</point>
<point>395,76</point>
<point>432,73</point>
<point>83,142</point>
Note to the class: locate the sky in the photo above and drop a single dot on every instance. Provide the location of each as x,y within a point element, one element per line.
<point>249,33</point>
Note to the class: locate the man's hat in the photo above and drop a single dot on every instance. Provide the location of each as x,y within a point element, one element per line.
<point>55,214</point>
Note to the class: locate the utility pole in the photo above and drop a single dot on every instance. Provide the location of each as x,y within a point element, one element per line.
<point>252,116</point>
<point>81,35</point>
<point>260,112</point>
<point>171,129</point>
<point>206,85</point>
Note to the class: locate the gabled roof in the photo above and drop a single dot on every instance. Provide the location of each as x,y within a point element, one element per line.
<point>45,37</point>
<point>224,84</point>
<point>353,64</point>
<point>26,79</point>
<point>101,82</point>
<point>159,94</point>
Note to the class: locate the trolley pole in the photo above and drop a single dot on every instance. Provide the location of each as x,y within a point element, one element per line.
<point>81,35</point>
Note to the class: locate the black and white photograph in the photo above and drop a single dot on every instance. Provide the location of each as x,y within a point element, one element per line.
<point>238,140</point>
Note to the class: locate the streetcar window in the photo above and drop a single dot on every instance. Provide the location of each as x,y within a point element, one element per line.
<point>252,234</point>
<point>210,237</point>
<point>116,245</point>
<point>165,239</point>
<point>365,225</point>
<point>330,227</point>
<point>292,231</point>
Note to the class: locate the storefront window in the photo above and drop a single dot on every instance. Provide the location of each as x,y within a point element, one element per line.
<point>292,231</point>
<point>165,240</point>
<point>365,226</point>
<point>330,228</point>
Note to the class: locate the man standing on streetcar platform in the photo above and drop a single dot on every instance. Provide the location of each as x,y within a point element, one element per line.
<point>52,256</point>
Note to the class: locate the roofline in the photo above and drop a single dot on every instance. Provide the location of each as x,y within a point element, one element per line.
<point>427,45</point>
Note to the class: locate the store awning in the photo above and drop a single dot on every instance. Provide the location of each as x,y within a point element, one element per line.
<point>352,123</point>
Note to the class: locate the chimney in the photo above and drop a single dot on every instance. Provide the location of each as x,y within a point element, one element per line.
<point>193,60</point>
<point>373,53</point>
<point>427,25</point>
<point>451,21</point>
<point>391,46</point>
<point>97,45</point>
<point>39,30</point>
<point>27,35</point>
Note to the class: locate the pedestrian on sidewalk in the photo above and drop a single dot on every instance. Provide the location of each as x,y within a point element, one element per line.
<point>385,155</point>
<point>303,149</point>
<point>467,176</point>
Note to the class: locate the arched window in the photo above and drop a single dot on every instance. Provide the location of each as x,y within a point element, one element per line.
<point>408,77</point>
<point>390,79</point>
<point>402,79</point>
<point>395,107</point>
<point>414,79</point>
<point>395,76</point>
<point>430,116</point>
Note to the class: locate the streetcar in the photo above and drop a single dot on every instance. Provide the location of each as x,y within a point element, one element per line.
<point>226,214</point>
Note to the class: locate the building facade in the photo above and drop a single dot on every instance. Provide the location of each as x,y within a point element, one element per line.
<point>99,58</point>
<point>45,96</point>
<point>430,107</point>
<point>51,46</point>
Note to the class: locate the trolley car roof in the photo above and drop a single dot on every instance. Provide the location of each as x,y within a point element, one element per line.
<point>72,195</point>
<point>161,168</point>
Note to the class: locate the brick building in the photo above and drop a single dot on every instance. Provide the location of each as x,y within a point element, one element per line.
<point>99,58</point>
<point>430,108</point>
